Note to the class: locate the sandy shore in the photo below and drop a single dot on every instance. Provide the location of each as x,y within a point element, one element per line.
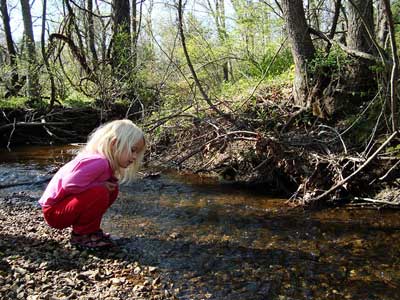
<point>37,262</point>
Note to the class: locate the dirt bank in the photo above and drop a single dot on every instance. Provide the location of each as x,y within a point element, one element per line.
<point>286,152</point>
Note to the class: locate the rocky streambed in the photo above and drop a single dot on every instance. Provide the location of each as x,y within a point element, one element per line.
<point>37,262</point>
<point>182,236</point>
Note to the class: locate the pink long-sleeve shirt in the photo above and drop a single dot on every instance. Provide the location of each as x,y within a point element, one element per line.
<point>81,173</point>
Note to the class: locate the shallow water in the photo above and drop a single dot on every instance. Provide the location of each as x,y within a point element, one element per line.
<point>217,241</point>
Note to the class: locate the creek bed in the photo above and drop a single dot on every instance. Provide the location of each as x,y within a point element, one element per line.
<point>216,241</point>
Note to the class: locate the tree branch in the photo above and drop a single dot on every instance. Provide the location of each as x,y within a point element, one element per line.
<point>339,184</point>
<point>190,65</point>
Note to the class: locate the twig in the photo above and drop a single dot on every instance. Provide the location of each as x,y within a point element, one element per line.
<point>11,134</point>
<point>338,134</point>
<point>395,68</point>
<point>30,124</point>
<point>264,75</point>
<point>213,141</point>
<point>376,201</point>
<point>164,120</point>
<point>339,184</point>
<point>191,68</point>
<point>390,170</point>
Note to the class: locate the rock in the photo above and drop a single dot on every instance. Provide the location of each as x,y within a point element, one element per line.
<point>152,269</point>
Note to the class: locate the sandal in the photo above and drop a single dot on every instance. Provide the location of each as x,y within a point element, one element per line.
<point>102,234</point>
<point>91,241</point>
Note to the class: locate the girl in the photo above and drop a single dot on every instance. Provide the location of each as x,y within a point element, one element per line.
<point>83,189</point>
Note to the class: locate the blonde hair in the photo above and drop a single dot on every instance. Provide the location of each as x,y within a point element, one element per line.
<point>123,134</point>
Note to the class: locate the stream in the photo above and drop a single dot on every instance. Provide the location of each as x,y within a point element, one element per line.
<point>218,241</point>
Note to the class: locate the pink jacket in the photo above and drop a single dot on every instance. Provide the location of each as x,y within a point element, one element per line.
<point>81,173</point>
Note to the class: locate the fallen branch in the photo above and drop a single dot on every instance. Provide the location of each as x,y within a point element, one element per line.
<point>342,182</point>
<point>376,201</point>
<point>217,140</point>
<point>390,170</point>
<point>11,134</point>
<point>30,124</point>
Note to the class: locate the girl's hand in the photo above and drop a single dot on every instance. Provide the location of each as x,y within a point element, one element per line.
<point>111,186</point>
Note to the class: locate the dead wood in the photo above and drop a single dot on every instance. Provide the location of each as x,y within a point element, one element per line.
<point>30,125</point>
<point>342,182</point>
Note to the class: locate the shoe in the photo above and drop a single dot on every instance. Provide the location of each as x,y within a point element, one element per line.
<point>91,241</point>
<point>103,234</point>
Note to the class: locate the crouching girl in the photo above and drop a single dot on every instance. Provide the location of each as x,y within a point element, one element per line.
<point>81,191</point>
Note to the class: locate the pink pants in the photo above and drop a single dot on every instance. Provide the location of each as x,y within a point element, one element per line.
<point>82,211</point>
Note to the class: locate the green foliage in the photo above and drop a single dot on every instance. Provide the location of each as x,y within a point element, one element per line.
<point>331,65</point>
<point>76,99</point>
<point>13,102</point>
<point>394,151</point>
<point>364,124</point>
<point>122,57</point>
<point>272,62</point>
<point>396,16</point>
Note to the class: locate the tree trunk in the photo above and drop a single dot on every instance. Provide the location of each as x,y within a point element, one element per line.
<point>382,29</point>
<point>121,53</point>
<point>220,21</point>
<point>12,53</point>
<point>92,45</point>
<point>303,49</point>
<point>394,76</point>
<point>45,58</point>
<point>33,89</point>
<point>360,16</point>
<point>134,33</point>
<point>359,77</point>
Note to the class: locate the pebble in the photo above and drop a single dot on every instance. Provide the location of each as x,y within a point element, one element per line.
<point>42,265</point>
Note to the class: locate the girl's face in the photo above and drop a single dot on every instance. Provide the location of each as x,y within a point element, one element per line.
<point>130,155</point>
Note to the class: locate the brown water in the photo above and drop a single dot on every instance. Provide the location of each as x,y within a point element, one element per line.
<point>217,241</point>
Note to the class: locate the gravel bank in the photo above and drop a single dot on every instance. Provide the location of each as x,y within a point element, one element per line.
<point>37,262</point>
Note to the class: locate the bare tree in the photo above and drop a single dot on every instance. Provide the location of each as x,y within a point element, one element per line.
<point>12,53</point>
<point>382,29</point>
<point>134,31</point>
<point>121,53</point>
<point>33,89</point>
<point>395,68</point>
<point>92,44</point>
<point>303,50</point>
<point>218,13</point>
<point>360,38</point>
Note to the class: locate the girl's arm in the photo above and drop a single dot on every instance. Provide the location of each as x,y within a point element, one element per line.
<point>86,174</point>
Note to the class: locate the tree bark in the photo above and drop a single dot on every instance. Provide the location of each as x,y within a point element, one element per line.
<point>121,53</point>
<point>395,68</point>
<point>134,32</point>
<point>360,13</point>
<point>359,38</point>
<point>303,49</point>
<point>12,53</point>
<point>193,72</point>
<point>33,89</point>
<point>337,5</point>
<point>45,57</point>
<point>92,44</point>
<point>222,33</point>
<point>382,29</point>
